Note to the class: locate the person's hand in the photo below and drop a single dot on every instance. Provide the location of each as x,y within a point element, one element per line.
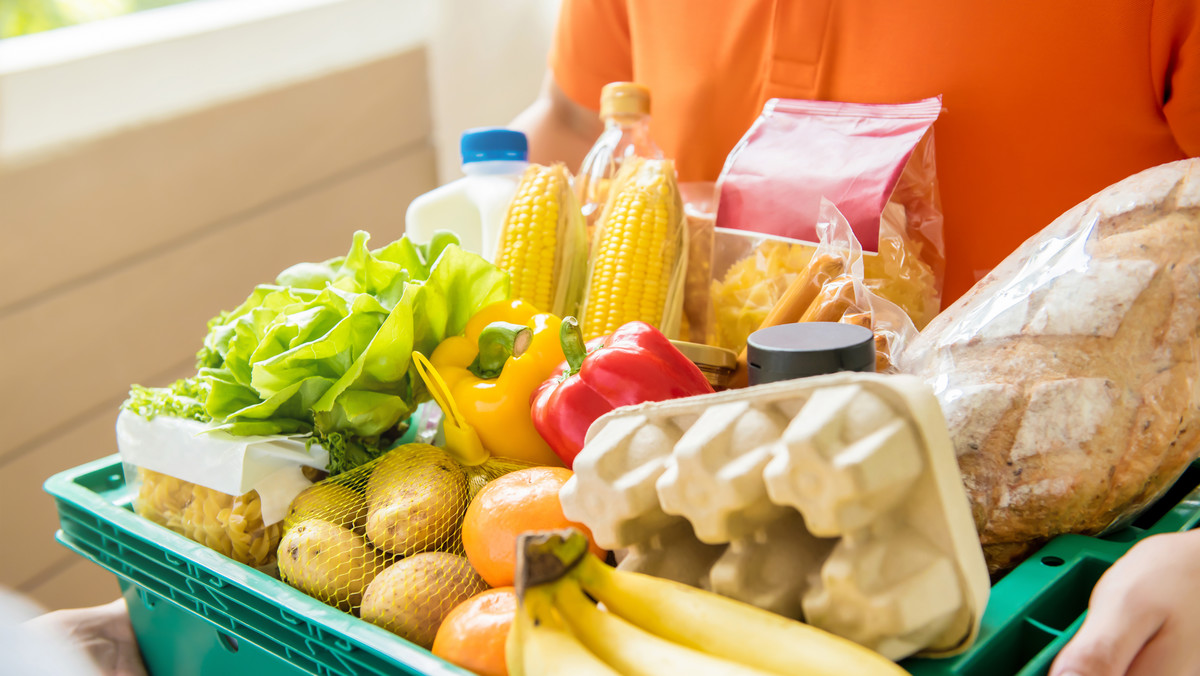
<point>1143,616</point>
<point>103,633</point>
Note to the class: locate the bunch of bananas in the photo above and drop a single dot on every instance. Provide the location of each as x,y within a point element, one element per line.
<point>653,627</point>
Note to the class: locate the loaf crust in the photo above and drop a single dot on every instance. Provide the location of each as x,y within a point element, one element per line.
<point>1070,375</point>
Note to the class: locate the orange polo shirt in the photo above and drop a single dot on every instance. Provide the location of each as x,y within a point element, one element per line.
<point>1045,102</point>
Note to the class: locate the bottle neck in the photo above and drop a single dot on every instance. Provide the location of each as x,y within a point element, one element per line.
<point>639,123</point>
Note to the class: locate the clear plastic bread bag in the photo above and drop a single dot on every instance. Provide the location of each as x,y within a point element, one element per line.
<point>1070,375</point>
<point>874,162</point>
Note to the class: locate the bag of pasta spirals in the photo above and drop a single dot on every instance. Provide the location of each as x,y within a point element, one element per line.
<point>384,540</point>
<point>232,525</point>
<point>229,494</point>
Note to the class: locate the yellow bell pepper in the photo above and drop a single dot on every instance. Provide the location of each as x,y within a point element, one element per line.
<point>506,352</point>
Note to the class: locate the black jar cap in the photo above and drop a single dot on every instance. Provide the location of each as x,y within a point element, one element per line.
<point>808,349</point>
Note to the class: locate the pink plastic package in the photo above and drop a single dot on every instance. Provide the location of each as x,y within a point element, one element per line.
<point>875,162</point>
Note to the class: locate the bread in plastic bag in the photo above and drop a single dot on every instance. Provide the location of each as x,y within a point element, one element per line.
<point>383,541</point>
<point>875,162</point>
<point>1070,375</point>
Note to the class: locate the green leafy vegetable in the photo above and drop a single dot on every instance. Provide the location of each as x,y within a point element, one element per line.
<point>182,399</point>
<point>327,349</point>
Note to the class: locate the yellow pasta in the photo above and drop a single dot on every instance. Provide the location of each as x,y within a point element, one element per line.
<point>230,525</point>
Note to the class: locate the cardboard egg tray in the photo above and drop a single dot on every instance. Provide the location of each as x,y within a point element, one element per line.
<point>835,500</point>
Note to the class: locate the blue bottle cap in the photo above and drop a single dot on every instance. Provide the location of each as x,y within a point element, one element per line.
<point>486,144</point>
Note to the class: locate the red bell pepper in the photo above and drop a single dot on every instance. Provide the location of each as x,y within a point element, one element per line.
<point>635,364</point>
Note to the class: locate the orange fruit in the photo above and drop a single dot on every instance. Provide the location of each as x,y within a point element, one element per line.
<point>518,502</point>
<point>472,636</point>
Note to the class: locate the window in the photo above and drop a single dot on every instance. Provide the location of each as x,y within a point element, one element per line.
<point>22,17</point>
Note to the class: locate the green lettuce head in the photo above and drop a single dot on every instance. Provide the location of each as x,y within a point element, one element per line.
<point>327,349</point>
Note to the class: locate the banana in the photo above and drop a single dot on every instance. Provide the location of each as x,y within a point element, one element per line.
<point>539,644</point>
<point>630,650</point>
<point>712,624</point>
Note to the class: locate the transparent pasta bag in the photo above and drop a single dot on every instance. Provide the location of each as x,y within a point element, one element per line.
<point>796,282</point>
<point>384,540</point>
<point>700,212</point>
<point>227,493</point>
<point>874,162</point>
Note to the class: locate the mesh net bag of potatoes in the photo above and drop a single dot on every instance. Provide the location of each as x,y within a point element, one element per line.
<point>383,541</point>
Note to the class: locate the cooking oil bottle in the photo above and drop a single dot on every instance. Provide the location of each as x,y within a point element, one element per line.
<point>625,110</point>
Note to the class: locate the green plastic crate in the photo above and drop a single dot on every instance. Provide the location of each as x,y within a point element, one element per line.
<point>196,611</point>
<point>1034,610</point>
<point>182,641</point>
<point>276,629</point>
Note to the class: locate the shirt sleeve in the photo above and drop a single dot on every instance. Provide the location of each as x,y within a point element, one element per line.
<point>591,48</point>
<point>1175,59</point>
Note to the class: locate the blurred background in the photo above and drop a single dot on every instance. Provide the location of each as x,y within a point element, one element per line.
<point>158,158</point>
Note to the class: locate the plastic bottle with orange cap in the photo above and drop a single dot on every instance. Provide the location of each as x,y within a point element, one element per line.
<point>625,111</point>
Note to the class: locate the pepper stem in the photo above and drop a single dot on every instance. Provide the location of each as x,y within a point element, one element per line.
<point>497,342</point>
<point>573,345</point>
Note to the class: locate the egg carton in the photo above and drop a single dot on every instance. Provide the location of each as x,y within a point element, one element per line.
<point>836,500</point>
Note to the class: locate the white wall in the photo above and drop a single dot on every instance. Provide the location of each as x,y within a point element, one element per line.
<point>486,63</point>
<point>160,64</point>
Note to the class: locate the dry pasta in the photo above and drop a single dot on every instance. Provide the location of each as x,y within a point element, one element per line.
<point>230,525</point>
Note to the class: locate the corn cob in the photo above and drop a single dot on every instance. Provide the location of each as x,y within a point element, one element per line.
<point>637,249</point>
<point>542,245</point>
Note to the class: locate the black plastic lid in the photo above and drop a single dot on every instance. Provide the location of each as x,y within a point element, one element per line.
<point>808,349</point>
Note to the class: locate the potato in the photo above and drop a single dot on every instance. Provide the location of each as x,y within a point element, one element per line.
<point>328,562</point>
<point>333,502</point>
<point>416,500</point>
<point>411,597</point>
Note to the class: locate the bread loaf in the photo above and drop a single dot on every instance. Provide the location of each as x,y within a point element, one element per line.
<point>1070,375</point>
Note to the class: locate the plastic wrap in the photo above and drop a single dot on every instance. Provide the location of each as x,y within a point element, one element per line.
<point>227,493</point>
<point>700,213</point>
<point>764,281</point>
<point>796,154</point>
<point>1070,375</point>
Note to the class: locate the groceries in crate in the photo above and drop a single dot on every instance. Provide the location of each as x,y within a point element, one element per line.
<point>1070,376</point>
<point>578,616</point>
<point>493,159</point>
<point>788,496</point>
